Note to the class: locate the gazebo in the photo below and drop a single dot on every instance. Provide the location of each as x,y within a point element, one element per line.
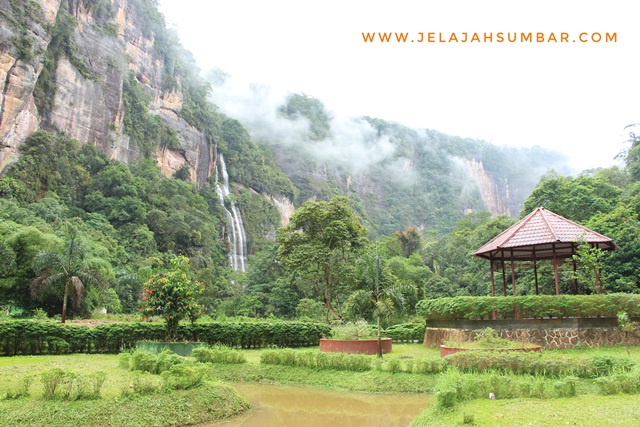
<point>541,235</point>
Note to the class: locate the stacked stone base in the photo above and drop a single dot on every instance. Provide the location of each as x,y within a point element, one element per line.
<point>535,332</point>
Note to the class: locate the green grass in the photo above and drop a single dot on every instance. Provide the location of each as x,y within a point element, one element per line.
<point>212,402</point>
<point>370,381</point>
<point>399,351</point>
<point>584,411</point>
<point>181,408</point>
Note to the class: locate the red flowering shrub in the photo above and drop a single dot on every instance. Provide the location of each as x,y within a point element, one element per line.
<point>172,295</point>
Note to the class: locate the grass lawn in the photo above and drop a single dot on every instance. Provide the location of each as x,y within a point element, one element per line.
<point>190,406</point>
<point>213,401</point>
<point>583,411</point>
<point>399,351</point>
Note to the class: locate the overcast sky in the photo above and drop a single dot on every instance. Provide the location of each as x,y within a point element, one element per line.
<point>570,96</point>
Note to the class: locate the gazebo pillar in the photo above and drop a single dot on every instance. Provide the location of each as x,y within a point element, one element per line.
<point>513,274</point>
<point>555,269</point>
<point>504,279</point>
<point>574,248</point>
<point>535,268</point>
<point>493,282</point>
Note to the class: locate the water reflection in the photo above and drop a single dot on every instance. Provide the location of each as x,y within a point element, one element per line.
<point>283,406</point>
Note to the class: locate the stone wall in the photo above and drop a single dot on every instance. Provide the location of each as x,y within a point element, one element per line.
<point>548,337</point>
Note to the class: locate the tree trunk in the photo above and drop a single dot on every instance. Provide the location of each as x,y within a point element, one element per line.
<point>599,289</point>
<point>379,337</point>
<point>379,314</point>
<point>327,293</point>
<point>64,304</point>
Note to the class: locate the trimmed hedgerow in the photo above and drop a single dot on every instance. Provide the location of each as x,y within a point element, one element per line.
<point>529,306</point>
<point>33,337</point>
<point>406,332</point>
<point>453,387</point>
<point>537,364</point>
<point>627,382</point>
<point>218,354</point>
<point>316,360</point>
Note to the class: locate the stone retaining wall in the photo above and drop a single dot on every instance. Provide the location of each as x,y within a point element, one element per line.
<point>550,337</point>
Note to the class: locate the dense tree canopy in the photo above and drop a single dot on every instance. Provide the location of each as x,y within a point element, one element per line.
<point>320,244</point>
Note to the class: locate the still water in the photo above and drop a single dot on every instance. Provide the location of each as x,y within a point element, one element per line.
<point>284,406</point>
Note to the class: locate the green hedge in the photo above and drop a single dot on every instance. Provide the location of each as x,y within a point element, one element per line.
<point>317,360</point>
<point>538,364</point>
<point>529,306</point>
<point>406,332</point>
<point>34,337</point>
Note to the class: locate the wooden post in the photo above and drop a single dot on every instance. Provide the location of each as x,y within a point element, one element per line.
<point>504,279</point>
<point>493,283</point>
<point>513,274</point>
<point>535,268</point>
<point>555,269</point>
<point>575,280</point>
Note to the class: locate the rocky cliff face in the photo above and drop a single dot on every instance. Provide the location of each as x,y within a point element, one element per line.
<point>23,42</point>
<point>89,105</point>
<point>494,193</point>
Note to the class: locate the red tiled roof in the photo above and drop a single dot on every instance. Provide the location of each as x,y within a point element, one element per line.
<point>538,236</point>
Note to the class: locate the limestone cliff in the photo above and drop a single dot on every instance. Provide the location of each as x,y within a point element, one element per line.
<point>88,101</point>
<point>23,41</point>
<point>285,207</point>
<point>494,193</point>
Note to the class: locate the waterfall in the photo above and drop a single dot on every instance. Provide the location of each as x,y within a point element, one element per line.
<point>236,235</point>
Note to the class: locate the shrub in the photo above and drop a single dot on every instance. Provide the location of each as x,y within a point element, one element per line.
<point>394,366</point>
<point>97,379</point>
<point>538,364</point>
<point>529,306</point>
<point>142,384</point>
<point>453,387</point>
<point>143,361</point>
<point>218,354</point>
<point>69,385</point>
<point>431,366</point>
<point>337,361</point>
<point>353,331</point>
<point>51,380</point>
<point>21,390</point>
<point>183,377</point>
<point>406,332</point>
<point>448,389</point>
<point>619,383</point>
<point>32,337</point>
<point>565,387</point>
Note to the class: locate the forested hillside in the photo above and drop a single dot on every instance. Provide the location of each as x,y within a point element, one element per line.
<point>110,141</point>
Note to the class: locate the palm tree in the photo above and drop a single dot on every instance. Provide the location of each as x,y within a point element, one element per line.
<point>70,270</point>
<point>382,296</point>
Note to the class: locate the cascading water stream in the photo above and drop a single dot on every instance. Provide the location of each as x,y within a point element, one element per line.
<point>236,235</point>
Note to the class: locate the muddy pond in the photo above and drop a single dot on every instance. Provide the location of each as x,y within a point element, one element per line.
<point>283,406</point>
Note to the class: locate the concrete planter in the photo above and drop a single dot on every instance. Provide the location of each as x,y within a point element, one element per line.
<point>355,346</point>
<point>446,351</point>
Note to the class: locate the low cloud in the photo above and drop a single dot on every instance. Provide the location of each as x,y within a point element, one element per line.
<point>353,144</point>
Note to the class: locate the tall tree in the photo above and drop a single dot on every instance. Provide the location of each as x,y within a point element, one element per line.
<point>172,294</point>
<point>405,243</point>
<point>68,271</point>
<point>321,243</point>
<point>575,198</point>
<point>385,298</point>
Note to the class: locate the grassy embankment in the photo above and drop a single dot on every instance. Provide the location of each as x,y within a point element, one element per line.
<point>116,406</point>
<point>557,401</point>
<point>585,406</point>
